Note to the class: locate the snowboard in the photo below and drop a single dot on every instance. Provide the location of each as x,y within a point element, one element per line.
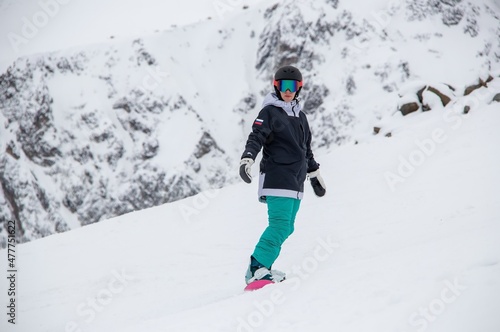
<point>257,284</point>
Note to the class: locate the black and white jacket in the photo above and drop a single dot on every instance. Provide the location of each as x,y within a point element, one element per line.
<point>282,130</point>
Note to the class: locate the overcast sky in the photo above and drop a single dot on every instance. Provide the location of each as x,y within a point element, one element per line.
<point>32,26</point>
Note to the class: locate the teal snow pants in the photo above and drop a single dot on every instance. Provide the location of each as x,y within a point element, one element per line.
<point>281,212</point>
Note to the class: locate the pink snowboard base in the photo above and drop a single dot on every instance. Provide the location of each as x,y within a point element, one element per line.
<point>257,284</point>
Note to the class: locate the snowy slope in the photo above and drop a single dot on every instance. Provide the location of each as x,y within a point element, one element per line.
<point>79,23</point>
<point>405,240</point>
<point>95,131</point>
<point>421,254</point>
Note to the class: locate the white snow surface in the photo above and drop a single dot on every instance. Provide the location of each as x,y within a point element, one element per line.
<point>356,57</point>
<point>419,254</point>
<point>406,239</point>
<point>50,25</point>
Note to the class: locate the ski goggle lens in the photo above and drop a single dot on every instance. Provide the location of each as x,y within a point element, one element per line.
<point>291,85</point>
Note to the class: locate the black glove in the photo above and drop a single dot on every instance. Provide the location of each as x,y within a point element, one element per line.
<point>245,165</point>
<point>317,183</point>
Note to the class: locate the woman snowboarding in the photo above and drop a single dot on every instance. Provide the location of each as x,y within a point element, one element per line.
<point>282,132</point>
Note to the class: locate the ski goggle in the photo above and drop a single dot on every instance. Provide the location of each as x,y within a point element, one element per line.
<point>284,85</point>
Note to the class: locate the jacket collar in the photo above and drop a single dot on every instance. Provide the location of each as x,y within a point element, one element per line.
<point>292,108</point>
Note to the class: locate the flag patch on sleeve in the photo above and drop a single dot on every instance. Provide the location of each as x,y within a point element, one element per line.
<point>258,122</point>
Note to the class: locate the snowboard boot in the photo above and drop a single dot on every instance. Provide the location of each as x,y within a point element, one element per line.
<point>257,271</point>
<point>278,276</point>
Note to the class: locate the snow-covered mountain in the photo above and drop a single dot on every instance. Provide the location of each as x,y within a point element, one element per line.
<point>405,240</point>
<point>30,27</point>
<point>93,132</point>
